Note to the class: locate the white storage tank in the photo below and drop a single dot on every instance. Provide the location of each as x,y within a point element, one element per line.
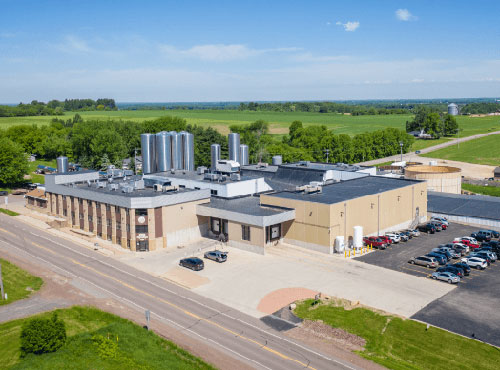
<point>339,244</point>
<point>358,237</point>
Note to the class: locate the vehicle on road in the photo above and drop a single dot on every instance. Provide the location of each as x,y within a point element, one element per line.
<point>441,258</point>
<point>465,267</point>
<point>443,220</point>
<point>446,276</point>
<point>427,228</point>
<point>217,256</point>
<point>375,242</point>
<point>475,262</point>
<point>453,253</point>
<point>3,193</point>
<point>454,270</point>
<point>482,236</point>
<point>429,262</point>
<point>395,238</point>
<point>193,263</point>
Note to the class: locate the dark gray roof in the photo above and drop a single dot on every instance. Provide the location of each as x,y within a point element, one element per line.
<point>193,175</point>
<point>245,205</point>
<point>497,170</point>
<point>321,166</point>
<point>350,189</point>
<point>480,206</point>
<point>137,193</point>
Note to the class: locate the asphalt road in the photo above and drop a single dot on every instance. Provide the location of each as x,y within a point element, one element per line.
<point>472,308</point>
<point>232,332</point>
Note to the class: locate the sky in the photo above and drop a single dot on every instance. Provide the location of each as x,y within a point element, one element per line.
<point>187,51</point>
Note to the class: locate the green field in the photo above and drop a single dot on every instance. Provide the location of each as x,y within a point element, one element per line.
<point>137,347</point>
<point>404,344</point>
<point>16,282</point>
<point>485,150</point>
<point>484,190</point>
<point>279,121</point>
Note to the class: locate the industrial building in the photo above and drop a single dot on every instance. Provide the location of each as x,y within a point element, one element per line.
<point>251,206</point>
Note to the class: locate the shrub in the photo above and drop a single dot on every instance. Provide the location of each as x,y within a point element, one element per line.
<point>106,347</point>
<point>40,336</point>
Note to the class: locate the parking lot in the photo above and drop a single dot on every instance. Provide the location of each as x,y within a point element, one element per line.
<point>472,308</point>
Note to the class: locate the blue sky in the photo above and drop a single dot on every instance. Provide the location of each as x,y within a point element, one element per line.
<point>248,50</point>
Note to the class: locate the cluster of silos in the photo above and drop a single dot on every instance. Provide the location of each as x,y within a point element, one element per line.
<point>166,151</point>
<point>237,152</point>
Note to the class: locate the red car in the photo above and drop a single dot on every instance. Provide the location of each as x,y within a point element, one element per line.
<point>467,242</point>
<point>375,241</point>
<point>386,239</point>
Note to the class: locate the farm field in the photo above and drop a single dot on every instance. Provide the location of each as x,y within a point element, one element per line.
<point>135,348</point>
<point>279,121</point>
<point>484,190</point>
<point>485,150</point>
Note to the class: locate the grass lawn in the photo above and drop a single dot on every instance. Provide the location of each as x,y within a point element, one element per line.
<point>8,212</point>
<point>16,280</point>
<point>36,178</point>
<point>404,344</point>
<point>485,190</point>
<point>279,121</point>
<point>485,150</point>
<point>137,348</point>
<point>420,144</point>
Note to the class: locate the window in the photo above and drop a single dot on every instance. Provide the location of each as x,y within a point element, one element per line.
<point>81,216</point>
<point>141,229</point>
<point>273,232</point>
<point>245,232</point>
<point>108,222</point>
<point>80,200</point>
<point>73,215</point>
<point>65,213</point>
<point>128,227</point>
<point>98,206</point>
<point>216,225</point>
<point>141,212</point>
<point>118,226</point>
<point>108,236</point>
<point>213,192</point>
<point>128,243</point>
<point>99,220</point>
<point>108,207</point>
<point>91,219</point>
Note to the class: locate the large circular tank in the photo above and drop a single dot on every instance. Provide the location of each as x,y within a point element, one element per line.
<point>439,178</point>
<point>62,164</point>
<point>234,147</point>
<point>214,156</point>
<point>148,150</point>
<point>244,155</point>
<point>453,109</point>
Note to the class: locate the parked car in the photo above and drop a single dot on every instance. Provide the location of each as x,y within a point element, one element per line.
<point>476,262</point>
<point>437,225</point>
<point>375,242</point>
<point>3,192</point>
<point>454,270</point>
<point>482,236</point>
<point>489,256</point>
<point>494,233</point>
<point>403,236</point>
<point>394,237</point>
<point>465,267</point>
<point>386,239</point>
<point>460,248</point>
<point>440,258</point>
<point>217,256</point>
<point>443,220</point>
<point>446,276</point>
<point>470,239</point>
<point>467,242</point>
<point>427,261</point>
<point>193,263</point>
<point>443,252</point>
<point>427,228</point>
<point>490,248</point>
<point>413,232</point>
<point>443,225</point>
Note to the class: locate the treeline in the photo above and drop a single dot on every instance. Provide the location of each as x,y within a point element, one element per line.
<point>433,122</point>
<point>56,107</point>
<point>480,108</point>
<point>317,143</point>
<point>325,107</point>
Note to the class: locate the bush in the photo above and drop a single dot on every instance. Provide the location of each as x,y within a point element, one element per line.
<point>40,336</point>
<point>106,347</point>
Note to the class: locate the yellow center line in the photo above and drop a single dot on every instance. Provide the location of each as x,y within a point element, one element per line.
<point>186,312</point>
<point>8,232</point>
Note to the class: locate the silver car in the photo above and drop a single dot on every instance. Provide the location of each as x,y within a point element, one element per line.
<point>217,256</point>
<point>426,261</point>
<point>446,276</point>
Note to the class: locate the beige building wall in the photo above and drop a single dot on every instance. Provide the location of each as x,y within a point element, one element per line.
<point>257,240</point>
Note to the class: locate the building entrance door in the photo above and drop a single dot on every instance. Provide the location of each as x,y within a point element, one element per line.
<point>142,246</point>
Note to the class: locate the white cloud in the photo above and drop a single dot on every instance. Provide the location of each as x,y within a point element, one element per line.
<point>73,44</point>
<point>219,52</point>
<point>405,15</point>
<point>349,26</point>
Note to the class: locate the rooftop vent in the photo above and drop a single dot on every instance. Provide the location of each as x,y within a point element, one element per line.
<point>128,189</point>
<point>304,163</point>
<point>235,177</point>
<point>201,170</point>
<point>101,184</point>
<point>113,186</point>
<point>158,187</point>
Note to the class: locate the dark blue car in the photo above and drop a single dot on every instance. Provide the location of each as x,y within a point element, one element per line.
<point>441,258</point>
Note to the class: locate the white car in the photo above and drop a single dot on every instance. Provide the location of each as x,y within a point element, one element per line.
<point>466,247</point>
<point>469,238</point>
<point>395,238</point>
<point>476,262</point>
<point>446,276</point>
<point>443,220</point>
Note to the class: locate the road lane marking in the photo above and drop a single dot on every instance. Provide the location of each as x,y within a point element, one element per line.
<point>8,232</point>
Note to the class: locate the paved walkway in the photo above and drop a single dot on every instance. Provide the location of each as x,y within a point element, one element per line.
<point>30,306</point>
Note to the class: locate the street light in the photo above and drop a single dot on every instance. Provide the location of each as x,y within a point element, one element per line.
<point>401,146</point>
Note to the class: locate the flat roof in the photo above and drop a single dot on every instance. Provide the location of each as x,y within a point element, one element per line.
<point>321,166</point>
<point>136,193</point>
<point>193,175</point>
<point>247,205</point>
<point>349,189</point>
<point>480,206</point>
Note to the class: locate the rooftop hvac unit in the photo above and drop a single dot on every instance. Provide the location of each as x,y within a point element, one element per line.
<point>170,188</point>
<point>222,178</point>
<point>158,187</point>
<point>262,165</point>
<point>201,170</point>
<point>128,173</point>
<point>313,189</point>
<point>110,180</point>
<point>304,163</point>
<point>235,177</point>
<point>88,183</point>
<point>101,184</point>
<point>211,176</point>
<point>128,189</point>
<point>113,186</point>
<point>139,184</point>
<point>300,189</point>
<point>315,183</point>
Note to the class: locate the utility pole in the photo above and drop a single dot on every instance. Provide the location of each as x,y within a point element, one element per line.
<point>327,151</point>
<point>401,146</point>
<point>135,161</point>
<point>2,294</point>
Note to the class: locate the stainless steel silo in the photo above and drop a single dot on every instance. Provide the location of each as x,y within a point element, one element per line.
<point>163,152</point>
<point>177,156</point>
<point>234,147</point>
<point>188,151</point>
<point>453,109</point>
<point>62,164</point>
<point>148,144</point>
<point>244,155</point>
<point>277,159</point>
<point>214,156</point>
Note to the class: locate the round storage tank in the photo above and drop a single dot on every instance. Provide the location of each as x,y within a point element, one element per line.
<point>234,147</point>
<point>148,144</point>
<point>176,139</point>
<point>214,156</point>
<point>453,109</point>
<point>358,237</point>
<point>244,155</point>
<point>439,178</point>
<point>163,152</point>
<point>188,151</point>
<point>62,164</point>
<point>277,160</point>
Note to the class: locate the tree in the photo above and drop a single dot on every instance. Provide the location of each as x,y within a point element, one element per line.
<point>13,162</point>
<point>450,125</point>
<point>40,336</point>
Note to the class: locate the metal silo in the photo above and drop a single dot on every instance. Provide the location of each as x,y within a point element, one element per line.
<point>62,164</point>
<point>453,109</point>
<point>243,155</point>
<point>234,147</point>
<point>277,160</point>
<point>188,151</point>
<point>176,150</point>
<point>214,155</point>
<point>163,152</point>
<point>148,144</point>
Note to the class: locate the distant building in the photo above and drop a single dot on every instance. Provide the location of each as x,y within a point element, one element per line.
<point>453,109</point>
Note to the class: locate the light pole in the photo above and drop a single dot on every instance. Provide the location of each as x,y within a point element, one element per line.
<point>401,146</point>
